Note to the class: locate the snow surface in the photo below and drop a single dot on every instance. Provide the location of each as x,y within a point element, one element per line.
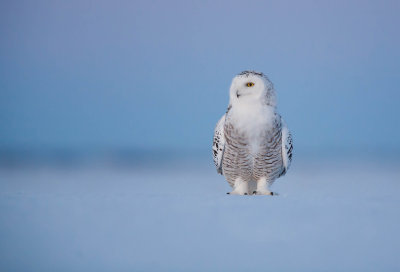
<point>336,215</point>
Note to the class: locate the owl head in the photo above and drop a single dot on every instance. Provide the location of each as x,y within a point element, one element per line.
<point>252,87</point>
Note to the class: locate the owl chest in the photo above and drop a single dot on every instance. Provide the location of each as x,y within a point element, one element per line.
<point>249,128</point>
<point>249,142</point>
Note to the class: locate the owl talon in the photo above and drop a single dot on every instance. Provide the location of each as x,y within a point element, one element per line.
<point>264,193</point>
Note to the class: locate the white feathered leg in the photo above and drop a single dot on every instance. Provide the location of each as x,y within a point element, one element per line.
<point>240,187</point>
<point>262,187</point>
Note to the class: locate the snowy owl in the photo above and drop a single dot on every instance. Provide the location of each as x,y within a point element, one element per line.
<point>252,145</point>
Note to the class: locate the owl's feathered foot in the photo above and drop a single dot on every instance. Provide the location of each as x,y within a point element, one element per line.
<point>264,193</point>
<point>240,187</point>
<point>236,193</point>
<point>263,187</point>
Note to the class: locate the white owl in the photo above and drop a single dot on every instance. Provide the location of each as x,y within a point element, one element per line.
<point>252,145</point>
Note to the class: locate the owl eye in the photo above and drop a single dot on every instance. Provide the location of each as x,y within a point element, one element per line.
<point>249,84</point>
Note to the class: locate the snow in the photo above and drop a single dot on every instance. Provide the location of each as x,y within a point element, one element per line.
<point>331,215</point>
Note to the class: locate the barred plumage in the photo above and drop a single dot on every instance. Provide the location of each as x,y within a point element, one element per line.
<point>252,144</point>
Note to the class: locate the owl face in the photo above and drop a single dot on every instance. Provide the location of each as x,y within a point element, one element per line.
<point>252,87</point>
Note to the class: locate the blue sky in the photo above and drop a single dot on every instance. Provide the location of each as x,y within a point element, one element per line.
<point>156,74</point>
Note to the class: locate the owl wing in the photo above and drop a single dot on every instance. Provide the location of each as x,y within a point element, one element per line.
<point>287,147</point>
<point>219,144</point>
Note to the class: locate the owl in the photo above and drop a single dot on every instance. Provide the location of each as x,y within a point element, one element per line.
<point>252,145</point>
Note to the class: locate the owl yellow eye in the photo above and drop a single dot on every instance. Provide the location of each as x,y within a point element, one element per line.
<point>249,84</point>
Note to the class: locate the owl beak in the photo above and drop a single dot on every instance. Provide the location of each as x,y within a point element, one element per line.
<point>238,94</point>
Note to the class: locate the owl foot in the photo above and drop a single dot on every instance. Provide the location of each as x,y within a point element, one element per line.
<point>263,187</point>
<point>236,193</point>
<point>240,187</point>
<point>264,193</point>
